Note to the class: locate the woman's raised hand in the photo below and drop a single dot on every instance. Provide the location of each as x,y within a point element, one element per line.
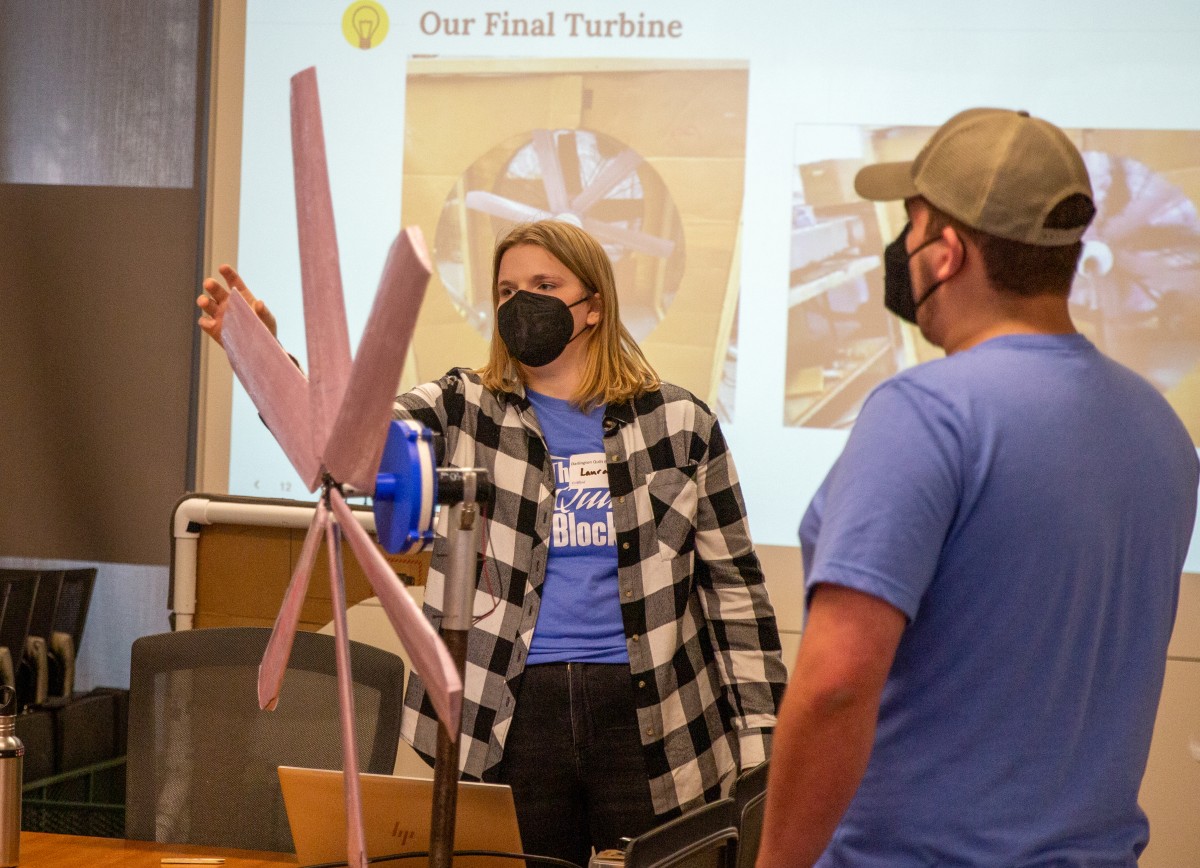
<point>215,300</point>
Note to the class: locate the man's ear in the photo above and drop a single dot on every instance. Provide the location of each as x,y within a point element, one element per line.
<point>951,261</point>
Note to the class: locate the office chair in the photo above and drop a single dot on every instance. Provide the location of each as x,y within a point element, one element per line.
<point>702,838</point>
<point>18,590</point>
<point>8,671</point>
<point>203,759</point>
<point>66,635</point>
<point>750,801</point>
<point>34,674</point>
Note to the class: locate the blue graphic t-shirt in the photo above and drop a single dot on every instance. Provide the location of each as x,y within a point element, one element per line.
<point>580,617</point>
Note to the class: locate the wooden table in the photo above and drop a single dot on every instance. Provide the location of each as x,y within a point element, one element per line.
<point>46,850</point>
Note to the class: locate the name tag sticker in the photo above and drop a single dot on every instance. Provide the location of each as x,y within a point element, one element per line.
<point>588,470</point>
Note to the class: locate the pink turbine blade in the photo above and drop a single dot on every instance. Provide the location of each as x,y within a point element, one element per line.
<point>279,646</point>
<point>430,658</point>
<point>320,271</point>
<point>552,176</point>
<point>356,848</point>
<point>356,443</point>
<point>613,173</point>
<point>274,383</point>
<point>505,209</point>
<point>643,242</point>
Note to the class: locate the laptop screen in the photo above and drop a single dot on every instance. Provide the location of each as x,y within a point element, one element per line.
<point>397,812</point>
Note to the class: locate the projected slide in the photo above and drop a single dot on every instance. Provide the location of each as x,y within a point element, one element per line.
<point>712,150</point>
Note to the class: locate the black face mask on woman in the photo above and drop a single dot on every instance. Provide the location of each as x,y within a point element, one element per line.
<point>897,279</point>
<point>536,328</point>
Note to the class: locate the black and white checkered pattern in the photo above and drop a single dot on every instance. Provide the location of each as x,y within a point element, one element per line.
<point>703,645</point>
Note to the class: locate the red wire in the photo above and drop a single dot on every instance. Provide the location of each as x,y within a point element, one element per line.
<point>487,580</point>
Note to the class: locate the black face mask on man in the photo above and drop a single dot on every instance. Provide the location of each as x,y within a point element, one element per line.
<point>897,279</point>
<point>536,328</point>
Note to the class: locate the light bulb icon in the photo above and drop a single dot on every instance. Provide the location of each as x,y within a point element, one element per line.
<point>365,21</point>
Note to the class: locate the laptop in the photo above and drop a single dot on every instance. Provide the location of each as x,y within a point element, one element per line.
<point>396,816</point>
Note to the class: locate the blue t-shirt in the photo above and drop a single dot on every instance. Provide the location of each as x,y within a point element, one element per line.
<point>1028,504</point>
<point>580,615</point>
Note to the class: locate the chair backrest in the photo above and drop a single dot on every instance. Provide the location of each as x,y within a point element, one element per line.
<point>203,759</point>
<point>750,801</point>
<point>19,589</point>
<point>34,673</point>
<point>66,633</point>
<point>10,704</point>
<point>702,838</point>
<point>45,605</point>
<point>74,597</point>
<point>22,588</point>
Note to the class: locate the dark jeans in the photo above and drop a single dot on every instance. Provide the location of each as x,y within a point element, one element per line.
<point>574,760</point>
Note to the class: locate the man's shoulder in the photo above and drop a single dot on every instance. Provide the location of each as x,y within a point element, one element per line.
<point>929,383</point>
<point>1005,363</point>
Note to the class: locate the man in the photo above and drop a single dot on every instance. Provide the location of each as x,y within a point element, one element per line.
<point>992,565</point>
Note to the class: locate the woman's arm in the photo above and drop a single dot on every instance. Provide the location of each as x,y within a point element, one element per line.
<point>733,595</point>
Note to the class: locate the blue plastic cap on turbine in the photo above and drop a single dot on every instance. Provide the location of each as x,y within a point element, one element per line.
<point>406,489</point>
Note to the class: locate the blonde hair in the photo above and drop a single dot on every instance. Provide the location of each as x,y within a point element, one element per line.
<point>615,369</point>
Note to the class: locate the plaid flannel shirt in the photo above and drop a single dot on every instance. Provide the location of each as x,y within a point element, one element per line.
<point>703,646</point>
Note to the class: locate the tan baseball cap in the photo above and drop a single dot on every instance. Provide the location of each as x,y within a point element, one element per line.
<point>999,171</point>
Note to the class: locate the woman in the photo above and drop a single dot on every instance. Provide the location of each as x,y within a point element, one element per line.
<point>627,664</point>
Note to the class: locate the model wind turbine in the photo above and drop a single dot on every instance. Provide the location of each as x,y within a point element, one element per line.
<point>332,426</point>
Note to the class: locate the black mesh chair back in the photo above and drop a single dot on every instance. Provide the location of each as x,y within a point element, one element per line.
<point>8,671</point>
<point>202,758</point>
<point>5,588</point>
<point>70,614</point>
<point>66,635</point>
<point>34,674</point>
<point>45,605</point>
<point>19,589</point>
<point>702,838</point>
<point>750,801</point>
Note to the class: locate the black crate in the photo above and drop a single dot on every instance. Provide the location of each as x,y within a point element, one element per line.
<point>86,801</point>
<point>73,818</point>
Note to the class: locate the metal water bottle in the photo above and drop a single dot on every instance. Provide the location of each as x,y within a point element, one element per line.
<point>12,759</point>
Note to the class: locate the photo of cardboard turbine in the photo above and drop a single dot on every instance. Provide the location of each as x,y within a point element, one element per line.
<point>647,155</point>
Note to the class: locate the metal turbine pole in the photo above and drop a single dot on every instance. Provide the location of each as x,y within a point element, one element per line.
<point>465,491</point>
